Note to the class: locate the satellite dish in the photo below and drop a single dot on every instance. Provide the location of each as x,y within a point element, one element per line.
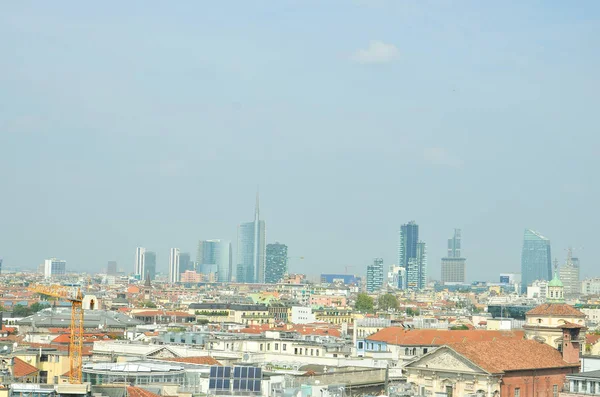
<point>246,357</point>
<point>5,348</point>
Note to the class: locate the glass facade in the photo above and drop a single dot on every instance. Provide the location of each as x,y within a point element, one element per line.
<point>408,237</point>
<point>276,262</point>
<point>536,259</point>
<point>214,256</point>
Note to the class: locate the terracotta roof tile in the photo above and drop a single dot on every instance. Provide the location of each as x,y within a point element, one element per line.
<point>511,355</point>
<point>22,369</point>
<point>555,309</point>
<point>438,337</point>
<point>592,339</point>
<point>203,360</point>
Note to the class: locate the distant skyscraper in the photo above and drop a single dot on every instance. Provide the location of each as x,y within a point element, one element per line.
<point>111,268</point>
<point>185,262</point>
<point>453,266</point>
<point>536,262</point>
<point>139,269</point>
<point>276,262</point>
<point>569,275</point>
<point>416,274</point>
<point>375,275</point>
<point>174,270</point>
<point>150,264</point>
<point>214,256</point>
<point>408,237</point>
<point>251,250</point>
<point>54,267</point>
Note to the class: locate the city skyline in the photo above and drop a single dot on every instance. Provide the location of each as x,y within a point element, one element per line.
<point>320,120</point>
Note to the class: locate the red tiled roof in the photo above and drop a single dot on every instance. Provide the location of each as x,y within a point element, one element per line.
<point>569,325</point>
<point>592,339</point>
<point>511,355</point>
<point>22,369</point>
<point>437,337</point>
<point>204,360</point>
<point>133,391</point>
<point>555,309</point>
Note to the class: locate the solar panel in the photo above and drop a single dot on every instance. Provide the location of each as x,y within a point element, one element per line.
<point>247,379</point>
<point>219,378</point>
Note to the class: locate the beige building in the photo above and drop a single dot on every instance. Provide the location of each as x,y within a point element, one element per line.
<point>546,322</point>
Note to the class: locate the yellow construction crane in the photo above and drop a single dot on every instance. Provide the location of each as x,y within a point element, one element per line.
<point>76,342</point>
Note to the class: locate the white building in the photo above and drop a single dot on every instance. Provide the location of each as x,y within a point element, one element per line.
<point>174,275</point>
<point>590,286</point>
<point>538,290</point>
<point>140,260</point>
<point>302,315</point>
<point>54,267</point>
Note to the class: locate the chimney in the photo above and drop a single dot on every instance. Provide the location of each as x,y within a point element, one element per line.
<point>571,343</point>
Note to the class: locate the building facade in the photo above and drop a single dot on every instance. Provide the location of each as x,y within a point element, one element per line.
<point>54,267</point>
<point>569,275</point>
<point>214,257</point>
<point>375,275</point>
<point>536,258</point>
<point>174,271</point>
<point>453,265</point>
<point>139,267</point>
<point>408,237</point>
<point>111,268</point>
<point>276,262</point>
<point>185,262</point>
<point>251,249</point>
<point>416,274</point>
<point>150,264</point>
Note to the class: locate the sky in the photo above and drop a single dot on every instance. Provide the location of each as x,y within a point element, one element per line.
<point>146,123</point>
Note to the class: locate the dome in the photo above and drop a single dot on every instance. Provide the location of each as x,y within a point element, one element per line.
<point>555,282</point>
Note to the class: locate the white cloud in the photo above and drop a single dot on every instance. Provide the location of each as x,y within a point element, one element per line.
<point>376,52</point>
<point>441,156</point>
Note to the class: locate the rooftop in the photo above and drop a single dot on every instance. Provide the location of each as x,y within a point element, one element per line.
<point>555,309</point>
<point>437,337</point>
<point>507,355</point>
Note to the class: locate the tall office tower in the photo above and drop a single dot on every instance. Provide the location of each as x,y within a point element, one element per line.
<point>251,250</point>
<point>111,268</point>
<point>140,268</point>
<point>214,257</point>
<point>150,264</point>
<point>416,273</point>
<point>276,263</point>
<point>408,237</point>
<point>569,275</point>
<point>453,266</point>
<point>174,270</point>
<point>54,267</point>
<point>185,262</point>
<point>536,262</point>
<point>375,275</point>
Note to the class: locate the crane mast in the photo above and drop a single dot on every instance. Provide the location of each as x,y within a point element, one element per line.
<point>76,326</point>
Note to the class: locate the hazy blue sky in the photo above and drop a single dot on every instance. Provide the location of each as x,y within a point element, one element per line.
<point>144,123</point>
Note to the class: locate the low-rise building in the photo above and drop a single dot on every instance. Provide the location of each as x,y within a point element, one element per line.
<point>493,369</point>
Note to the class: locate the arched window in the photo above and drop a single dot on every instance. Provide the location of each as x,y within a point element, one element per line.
<point>406,351</point>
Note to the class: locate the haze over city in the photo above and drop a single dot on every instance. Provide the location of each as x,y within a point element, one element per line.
<point>154,125</point>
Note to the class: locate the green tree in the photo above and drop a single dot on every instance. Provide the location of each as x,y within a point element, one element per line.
<point>364,303</point>
<point>387,301</point>
<point>21,311</point>
<point>37,306</point>
<point>149,304</point>
<point>412,312</point>
<point>461,327</point>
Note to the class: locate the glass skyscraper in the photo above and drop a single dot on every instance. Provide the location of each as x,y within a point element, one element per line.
<point>416,272</point>
<point>375,275</point>
<point>408,237</point>
<point>150,264</point>
<point>251,250</point>
<point>536,259</point>
<point>214,256</point>
<point>276,263</point>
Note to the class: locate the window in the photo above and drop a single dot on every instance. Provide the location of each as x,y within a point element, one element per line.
<point>583,386</point>
<point>424,350</point>
<point>261,347</point>
<point>44,358</point>
<point>517,392</point>
<point>449,391</point>
<point>268,346</point>
<point>295,349</point>
<point>56,380</point>
<point>284,347</point>
<point>592,388</point>
<point>555,390</point>
<point>276,346</point>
